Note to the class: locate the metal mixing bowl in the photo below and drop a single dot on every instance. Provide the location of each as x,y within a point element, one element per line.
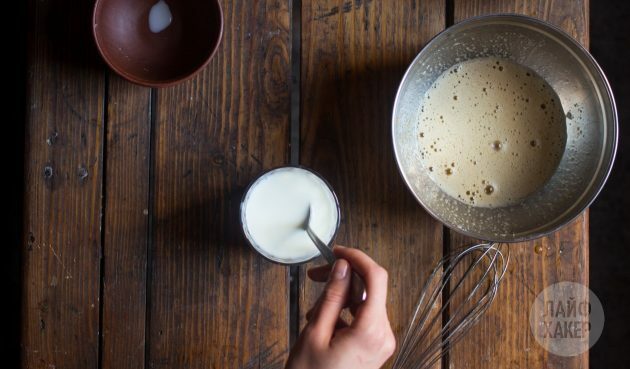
<point>585,96</point>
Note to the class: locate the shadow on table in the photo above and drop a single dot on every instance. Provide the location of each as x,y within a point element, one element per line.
<point>208,229</point>
<point>66,30</point>
<point>346,136</point>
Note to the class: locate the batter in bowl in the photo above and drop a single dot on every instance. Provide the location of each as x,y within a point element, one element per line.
<point>492,132</point>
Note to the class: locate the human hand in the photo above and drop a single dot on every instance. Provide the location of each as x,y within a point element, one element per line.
<point>327,341</point>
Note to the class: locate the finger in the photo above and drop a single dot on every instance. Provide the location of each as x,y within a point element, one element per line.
<point>319,273</point>
<point>309,314</point>
<point>332,300</point>
<point>311,311</point>
<point>374,276</point>
<point>341,322</point>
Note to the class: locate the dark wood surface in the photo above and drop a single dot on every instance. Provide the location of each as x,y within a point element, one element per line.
<point>353,59</point>
<point>213,302</point>
<point>63,190</point>
<point>132,253</point>
<point>126,224</point>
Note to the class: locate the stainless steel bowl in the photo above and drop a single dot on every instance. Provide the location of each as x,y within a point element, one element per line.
<point>585,96</point>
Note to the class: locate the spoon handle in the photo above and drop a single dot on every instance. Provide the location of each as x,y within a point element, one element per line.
<point>322,247</point>
<point>357,288</point>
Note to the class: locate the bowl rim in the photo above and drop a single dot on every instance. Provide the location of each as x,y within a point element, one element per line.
<point>606,168</point>
<point>149,83</point>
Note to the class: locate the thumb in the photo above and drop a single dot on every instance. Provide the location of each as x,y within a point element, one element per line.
<point>332,299</point>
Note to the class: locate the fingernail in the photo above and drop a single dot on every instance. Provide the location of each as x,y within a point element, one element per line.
<point>340,269</point>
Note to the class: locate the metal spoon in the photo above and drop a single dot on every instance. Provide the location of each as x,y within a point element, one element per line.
<point>357,288</point>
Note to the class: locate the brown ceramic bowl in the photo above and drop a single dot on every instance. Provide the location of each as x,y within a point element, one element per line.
<point>122,35</point>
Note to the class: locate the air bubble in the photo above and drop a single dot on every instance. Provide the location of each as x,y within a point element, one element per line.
<point>489,189</point>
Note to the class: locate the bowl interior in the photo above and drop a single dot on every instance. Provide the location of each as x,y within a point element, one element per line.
<point>585,97</point>
<point>121,30</point>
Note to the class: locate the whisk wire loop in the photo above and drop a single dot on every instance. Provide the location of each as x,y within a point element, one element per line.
<point>437,323</point>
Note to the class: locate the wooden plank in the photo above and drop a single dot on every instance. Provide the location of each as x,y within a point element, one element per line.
<point>503,338</point>
<point>571,15</point>
<point>354,54</point>
<point>62,201</point>
<point>214,303</point>
<point>127,153</point>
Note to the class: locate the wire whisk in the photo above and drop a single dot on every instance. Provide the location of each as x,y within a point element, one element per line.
<point>466,283</point>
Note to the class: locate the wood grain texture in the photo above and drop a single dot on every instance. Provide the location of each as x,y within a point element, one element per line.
<point>571,15</point>
<point>354,54</point>
<point>503,338</point>
<point>62,193</point>
<point>126,224</point>
<point>214,303</point>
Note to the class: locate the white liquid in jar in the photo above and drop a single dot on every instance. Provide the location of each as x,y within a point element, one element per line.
<point>275,207</point>
<point>492,132</point>
<point>160,17</point>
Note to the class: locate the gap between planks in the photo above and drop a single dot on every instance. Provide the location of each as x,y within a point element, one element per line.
<point>294,153</point>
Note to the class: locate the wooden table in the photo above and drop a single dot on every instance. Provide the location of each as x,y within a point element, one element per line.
<point>133,255</point>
